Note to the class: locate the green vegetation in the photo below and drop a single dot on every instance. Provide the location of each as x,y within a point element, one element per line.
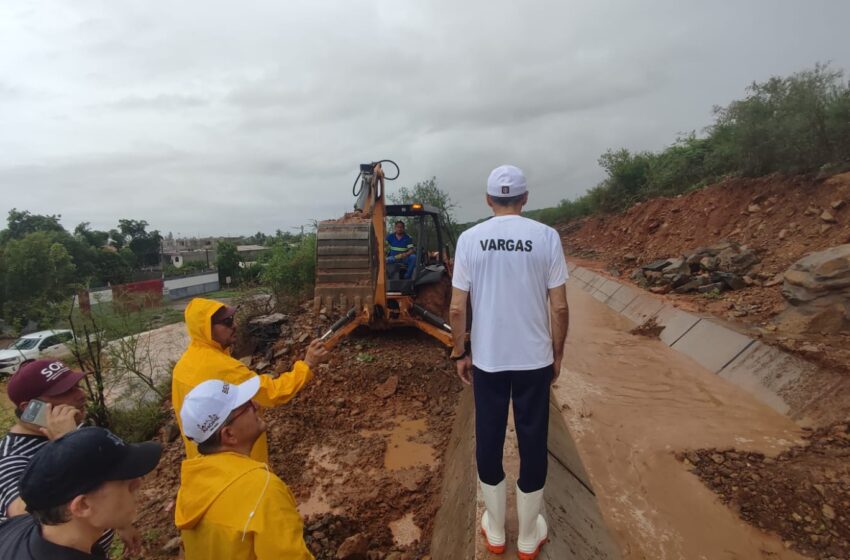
<point>429,193</point>
<point>188,268</point>
<point>7,412</point>
<point>289,269</point>
<point>141,422</point>
<point>122,363</point>
<point>228,262</point>
<point>798,124</point>
<point>365,358</point>
<point>116,323</point>
<point>42,264</point>
<point>221,294</point>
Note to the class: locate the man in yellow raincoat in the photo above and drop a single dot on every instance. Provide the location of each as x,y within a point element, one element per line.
<point>229,505</point>
<point>213,331</point>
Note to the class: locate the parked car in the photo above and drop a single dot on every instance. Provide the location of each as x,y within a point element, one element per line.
<point>42,344</point>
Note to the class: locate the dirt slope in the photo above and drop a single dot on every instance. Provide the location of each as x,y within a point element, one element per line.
<point>664,227</point>
<point>780,218</point>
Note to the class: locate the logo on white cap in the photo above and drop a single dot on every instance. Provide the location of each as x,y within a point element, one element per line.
<point>208,405</point>
<point>505,181</point>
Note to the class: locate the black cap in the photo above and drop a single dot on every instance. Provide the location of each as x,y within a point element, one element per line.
<point>80,462</point>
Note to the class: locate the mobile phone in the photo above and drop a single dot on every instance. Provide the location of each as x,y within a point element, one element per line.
<point>35,413</point>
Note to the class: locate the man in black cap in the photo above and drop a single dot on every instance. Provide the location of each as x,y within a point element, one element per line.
<point>75,488</point>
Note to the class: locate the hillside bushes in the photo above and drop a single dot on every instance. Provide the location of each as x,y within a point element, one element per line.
<point>798,124</point>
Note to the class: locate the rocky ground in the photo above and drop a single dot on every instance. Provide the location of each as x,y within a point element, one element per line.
<point>360,447</point>
<point>777,219</point>
<point>803,494</point>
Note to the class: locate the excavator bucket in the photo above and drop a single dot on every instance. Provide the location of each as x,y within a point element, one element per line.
<point>346,264</point>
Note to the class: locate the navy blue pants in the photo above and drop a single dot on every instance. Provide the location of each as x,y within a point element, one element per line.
<point>529,391</point>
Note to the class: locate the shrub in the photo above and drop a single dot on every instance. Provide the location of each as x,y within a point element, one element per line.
<point>140,422</point>
<point>290,269</point>
<point>797,124</point>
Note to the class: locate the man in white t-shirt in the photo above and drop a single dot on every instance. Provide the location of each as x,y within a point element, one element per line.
<point>514,271</point>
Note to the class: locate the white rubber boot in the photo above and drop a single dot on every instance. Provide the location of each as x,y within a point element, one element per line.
<point>493,518</point>
<point>533,532</point>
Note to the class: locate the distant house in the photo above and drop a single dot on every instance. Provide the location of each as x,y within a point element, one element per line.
<point>249,254</point>
<point>178,258</point>
<point>182,251</point>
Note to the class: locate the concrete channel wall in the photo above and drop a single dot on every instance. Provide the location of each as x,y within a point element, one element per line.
<point>577,530</point>
<point>776,378</point>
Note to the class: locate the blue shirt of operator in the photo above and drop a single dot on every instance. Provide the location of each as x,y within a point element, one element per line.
<point>398,246</point>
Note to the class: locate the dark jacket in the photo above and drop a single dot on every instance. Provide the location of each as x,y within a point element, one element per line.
<point>20,539</point>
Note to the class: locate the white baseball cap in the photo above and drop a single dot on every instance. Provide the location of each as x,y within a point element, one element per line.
<point>505,181</point>
<point>208,405</point>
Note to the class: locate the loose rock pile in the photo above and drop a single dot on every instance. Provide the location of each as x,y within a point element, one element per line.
<point>817,288</point>
<point>803,494</point>
<point>717,268</point>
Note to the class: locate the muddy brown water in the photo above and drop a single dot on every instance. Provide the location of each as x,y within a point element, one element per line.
<point>630,403</point>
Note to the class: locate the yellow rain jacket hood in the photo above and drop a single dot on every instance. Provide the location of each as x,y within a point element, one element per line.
<point>231,506</point>
<point>206,359</point>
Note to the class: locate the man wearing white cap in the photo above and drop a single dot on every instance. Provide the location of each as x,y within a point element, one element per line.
<point>230,505</point>
<point>515,271</point>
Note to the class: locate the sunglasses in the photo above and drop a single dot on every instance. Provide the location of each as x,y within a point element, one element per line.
<point>228,322</point>
<point>237,412</point>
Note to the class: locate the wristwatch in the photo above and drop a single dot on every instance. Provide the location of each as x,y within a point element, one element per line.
<point>460,357</point>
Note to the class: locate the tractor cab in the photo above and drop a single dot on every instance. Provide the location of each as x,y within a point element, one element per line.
<point>423,224</point>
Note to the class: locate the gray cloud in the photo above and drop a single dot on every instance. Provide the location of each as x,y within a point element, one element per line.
<point>217,118</point>
<point>161,102</point>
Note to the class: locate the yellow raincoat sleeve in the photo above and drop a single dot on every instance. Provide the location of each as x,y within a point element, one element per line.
<point>278,529</point>
<point>281,390</point>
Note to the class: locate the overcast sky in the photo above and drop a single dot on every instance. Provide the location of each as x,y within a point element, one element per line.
<point>217,118</point>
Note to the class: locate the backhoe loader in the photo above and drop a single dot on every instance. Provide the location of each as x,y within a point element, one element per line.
<point>353,279</point>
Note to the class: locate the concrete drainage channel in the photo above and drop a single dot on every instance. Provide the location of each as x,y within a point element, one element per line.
<point>576,528</point>
<point>774,377</point>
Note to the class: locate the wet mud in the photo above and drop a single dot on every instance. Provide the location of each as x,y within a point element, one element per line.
<point>364,464</point>
<point>632,403</point>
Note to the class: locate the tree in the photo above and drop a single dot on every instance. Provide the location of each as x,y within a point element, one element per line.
<point>116,239</point>
<point>794,125</point>
<point>144,245</point>
<point>93,238</point>
<point>227,262</point>
<point>113,268</point>
<point>628,175</point>
<point>38,276</point>
<point>428,192</point>
<point>21,223</point>
<point>258,238</point>
<point>290,269</point>
<point>132,229</point>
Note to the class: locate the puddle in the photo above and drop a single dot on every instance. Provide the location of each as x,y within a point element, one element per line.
<point>405,532</point>
<point>402,451</point>
<point>315,504</point>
